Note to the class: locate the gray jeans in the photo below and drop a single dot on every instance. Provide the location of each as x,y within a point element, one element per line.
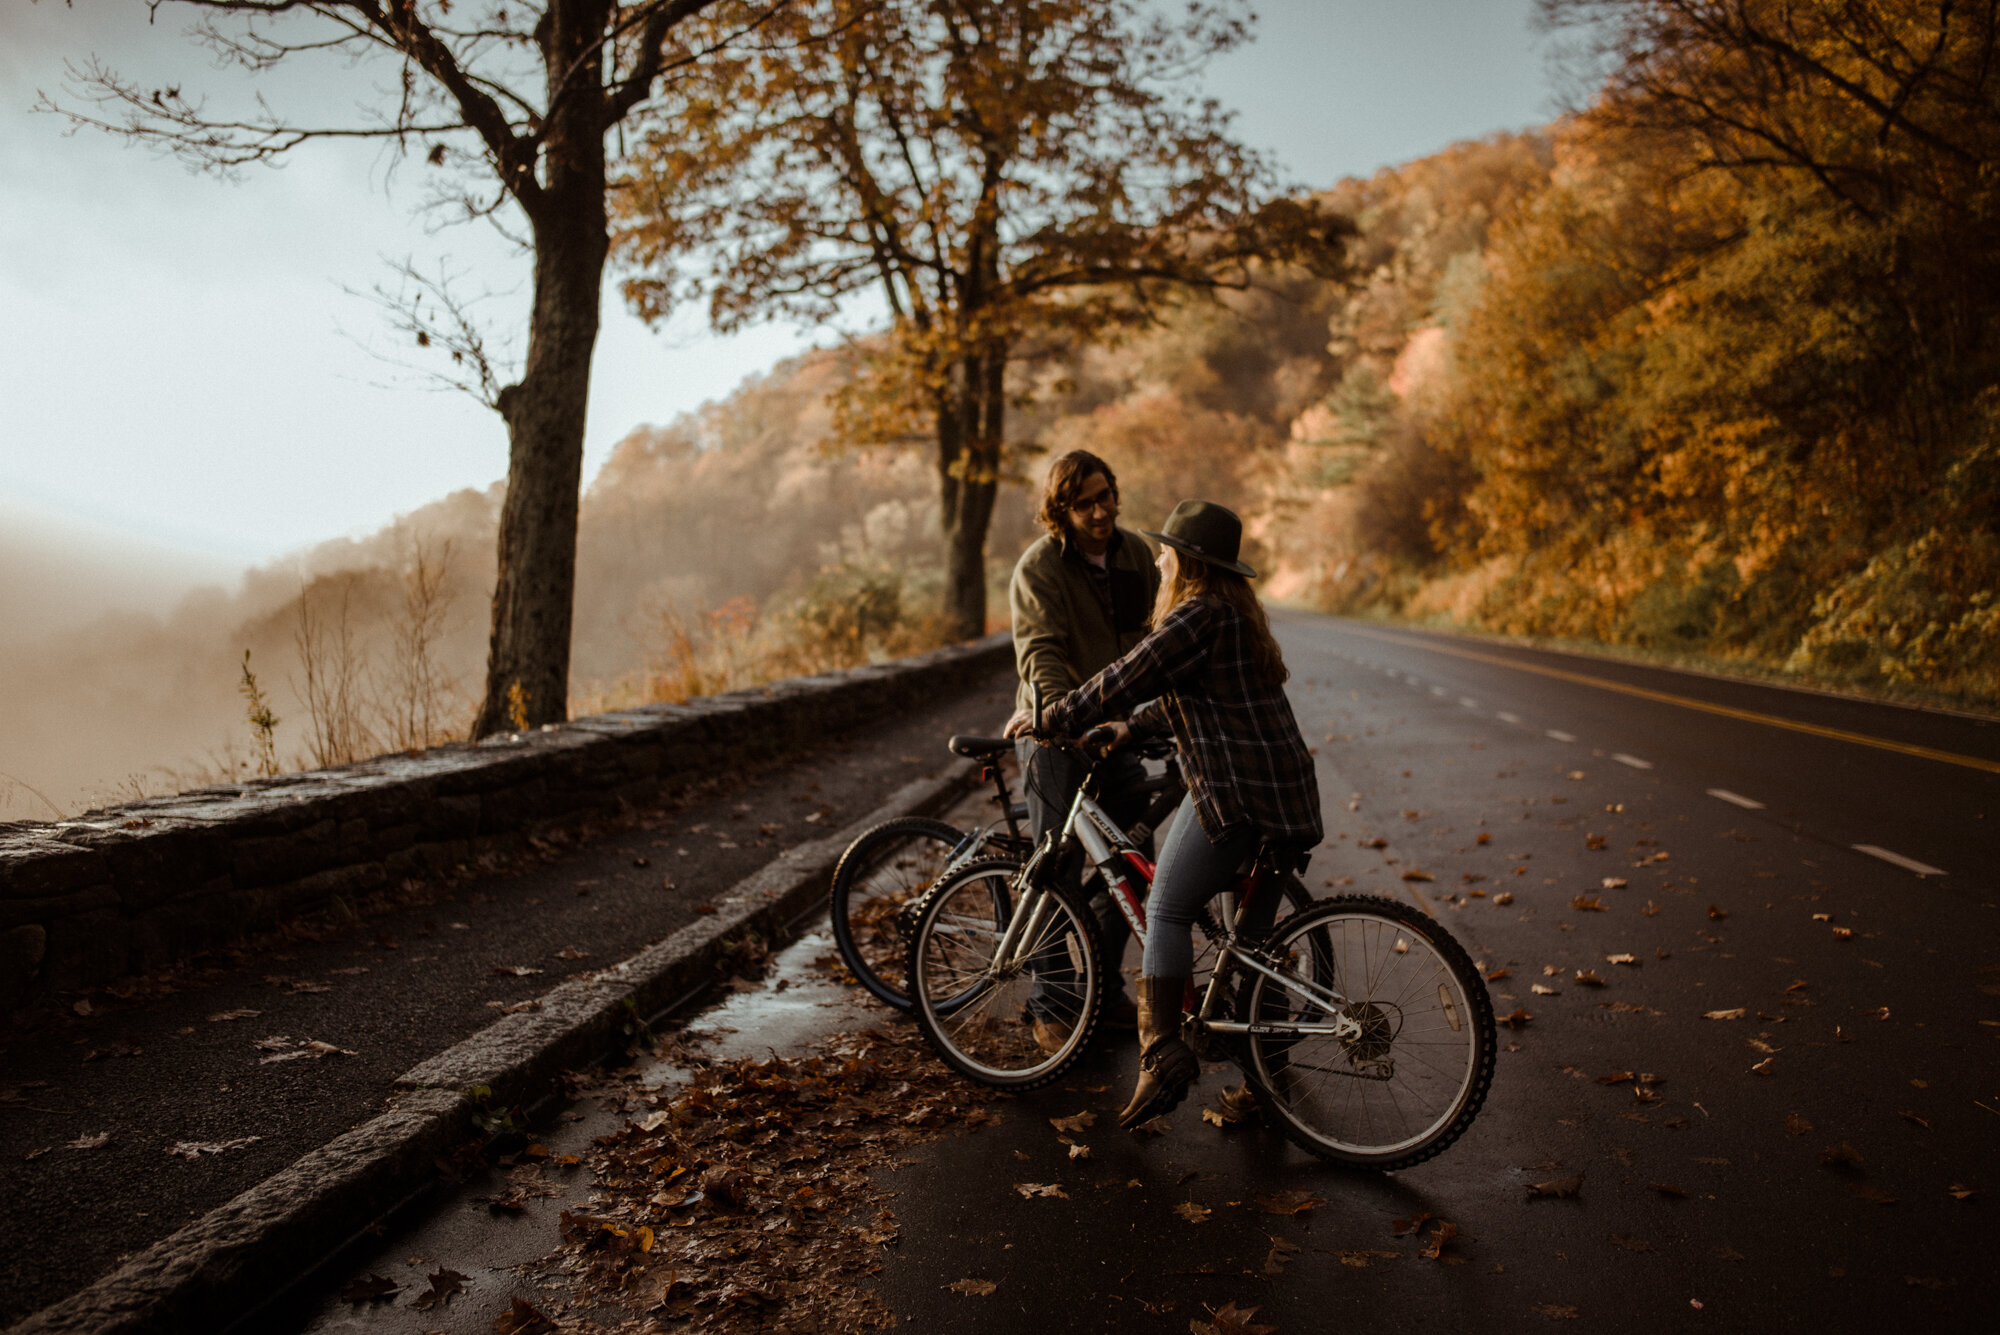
<point>1191,872</point>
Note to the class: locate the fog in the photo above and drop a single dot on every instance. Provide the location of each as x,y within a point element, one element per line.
<point>119,680</point>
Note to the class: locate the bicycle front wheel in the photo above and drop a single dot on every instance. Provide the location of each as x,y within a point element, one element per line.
<point>882,872</point>
<point>1414,1057</point>
<point>1016,1022</point>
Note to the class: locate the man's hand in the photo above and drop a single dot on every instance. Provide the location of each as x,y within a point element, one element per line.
<point>1017,723</point>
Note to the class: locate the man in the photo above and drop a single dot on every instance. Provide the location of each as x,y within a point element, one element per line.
<point>1081,597</point>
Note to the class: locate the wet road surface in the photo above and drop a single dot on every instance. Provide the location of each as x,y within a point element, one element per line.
<point>1824,1156</point>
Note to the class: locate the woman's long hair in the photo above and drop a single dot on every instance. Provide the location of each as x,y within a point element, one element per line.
<point>1196,578</point>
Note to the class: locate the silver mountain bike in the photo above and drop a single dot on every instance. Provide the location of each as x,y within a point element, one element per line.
<point>1359,1023</point>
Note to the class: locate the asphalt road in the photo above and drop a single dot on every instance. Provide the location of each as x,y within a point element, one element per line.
<point>1827,1160</point>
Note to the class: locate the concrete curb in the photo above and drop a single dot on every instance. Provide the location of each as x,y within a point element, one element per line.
<point>239,1256</point>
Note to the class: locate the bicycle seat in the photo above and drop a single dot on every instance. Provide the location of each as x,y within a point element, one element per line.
<point>979,748</point>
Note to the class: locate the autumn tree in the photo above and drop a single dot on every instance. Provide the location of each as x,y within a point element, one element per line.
<point>1009,176</point>
<point>518,96</point>
<point>1875,100</point>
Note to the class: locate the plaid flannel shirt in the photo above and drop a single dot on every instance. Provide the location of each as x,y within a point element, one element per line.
<point>1246,765</point>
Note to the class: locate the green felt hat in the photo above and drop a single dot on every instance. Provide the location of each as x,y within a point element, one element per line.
<point>1206,531</point>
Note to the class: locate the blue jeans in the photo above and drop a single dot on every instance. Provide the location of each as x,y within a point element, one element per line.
<point>1192,871</point>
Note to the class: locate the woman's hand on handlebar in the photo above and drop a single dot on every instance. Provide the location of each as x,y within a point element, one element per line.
<point>1105,738</point>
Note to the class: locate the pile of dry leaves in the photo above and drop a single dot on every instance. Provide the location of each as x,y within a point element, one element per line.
<point>744,1200</point>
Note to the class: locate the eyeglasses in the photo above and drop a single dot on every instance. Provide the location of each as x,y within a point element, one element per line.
<point>1107,501</point>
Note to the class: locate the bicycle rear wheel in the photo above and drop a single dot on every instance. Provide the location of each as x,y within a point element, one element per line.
<point>881,872</point>
<point>1016,1023</point>
<point>1411,1078</point>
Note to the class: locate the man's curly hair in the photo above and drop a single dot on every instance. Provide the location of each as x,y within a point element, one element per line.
<point>1065,482</point>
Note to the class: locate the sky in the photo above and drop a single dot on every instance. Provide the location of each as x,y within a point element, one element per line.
<point>191,369</point>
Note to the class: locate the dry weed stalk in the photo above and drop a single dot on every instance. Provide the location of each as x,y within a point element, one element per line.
<point>335,676</point>
<point>419,688</point>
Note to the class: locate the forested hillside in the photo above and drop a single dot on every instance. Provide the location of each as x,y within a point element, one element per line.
<point>1711,369</point>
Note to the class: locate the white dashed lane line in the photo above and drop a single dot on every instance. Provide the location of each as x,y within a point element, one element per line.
<point>1633,761</point>
<point>1505,717</point>
<point>1560,735</point>
<point>1907,864</point>
<point>1437,690</point>
<point>1468,702</point>
<point>1736,799</point>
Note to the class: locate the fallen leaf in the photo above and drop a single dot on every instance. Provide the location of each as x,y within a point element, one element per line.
<point>1614,883</point>
<point>1541,991</point>
<point>1403,1228</point>
<point>1191,1212</point>
<point>1591,841</point>
<point>195,1149</point>
<point>1588,904</point>
<point>1668,1189</point>
<point>1282,1251</point>
<point>1515,1019</point>
<point>1834,1156</point>
<point>977,1288</point>
<point>243,1014</point>
<point>1154,1126</point>
<point>1736,1014</point>
<point>1290,1202</point>
<point>1843,933</point>
<point>572,953</point>
<point>1418,874</point>
<point>1079,1151</point>
<point>88,1142</point>
<point>1442,1234</point>
<point>1032,1190</point>
<point>319,1049</point>
<point>1630,959</point>
<point>1557,1311</point>
<point>1561,1189</point>
<point>1230,1320</point>
<point>1081,1121</point>
<point>445,1282</point>
<point>522,1318</point>
<point>1503,899</point>
<point>1498,974</point>
<point>1716,913</point>
<point>1615,1078</point>
<point>369,1288</point>
<point>515,970</point>
<point>1868,1191</point>
<point>1588,978</point>
<point>1763,1067</point>
<point>1958,1191</point>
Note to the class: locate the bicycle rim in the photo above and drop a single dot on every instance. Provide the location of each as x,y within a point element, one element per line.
<point>1413,1078</point>
<point>879,875</point>
<point>1013,1026</point>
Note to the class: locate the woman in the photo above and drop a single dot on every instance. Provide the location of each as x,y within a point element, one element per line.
<point>1212,675</point>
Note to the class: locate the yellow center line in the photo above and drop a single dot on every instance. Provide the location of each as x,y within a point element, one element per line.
<point>1687,702</point>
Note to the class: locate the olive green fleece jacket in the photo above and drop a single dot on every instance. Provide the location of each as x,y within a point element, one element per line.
<point>1063,633</point>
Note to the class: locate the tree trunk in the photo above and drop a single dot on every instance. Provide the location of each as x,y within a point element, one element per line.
<point>971,420</point>
<point>527,661</point>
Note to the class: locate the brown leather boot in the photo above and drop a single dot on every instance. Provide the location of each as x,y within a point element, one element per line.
<point>1167,1066</point>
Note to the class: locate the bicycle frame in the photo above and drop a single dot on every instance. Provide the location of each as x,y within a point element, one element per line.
<point>1129,875</point>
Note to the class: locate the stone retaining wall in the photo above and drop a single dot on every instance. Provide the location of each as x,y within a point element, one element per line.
<point>131,888</point>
